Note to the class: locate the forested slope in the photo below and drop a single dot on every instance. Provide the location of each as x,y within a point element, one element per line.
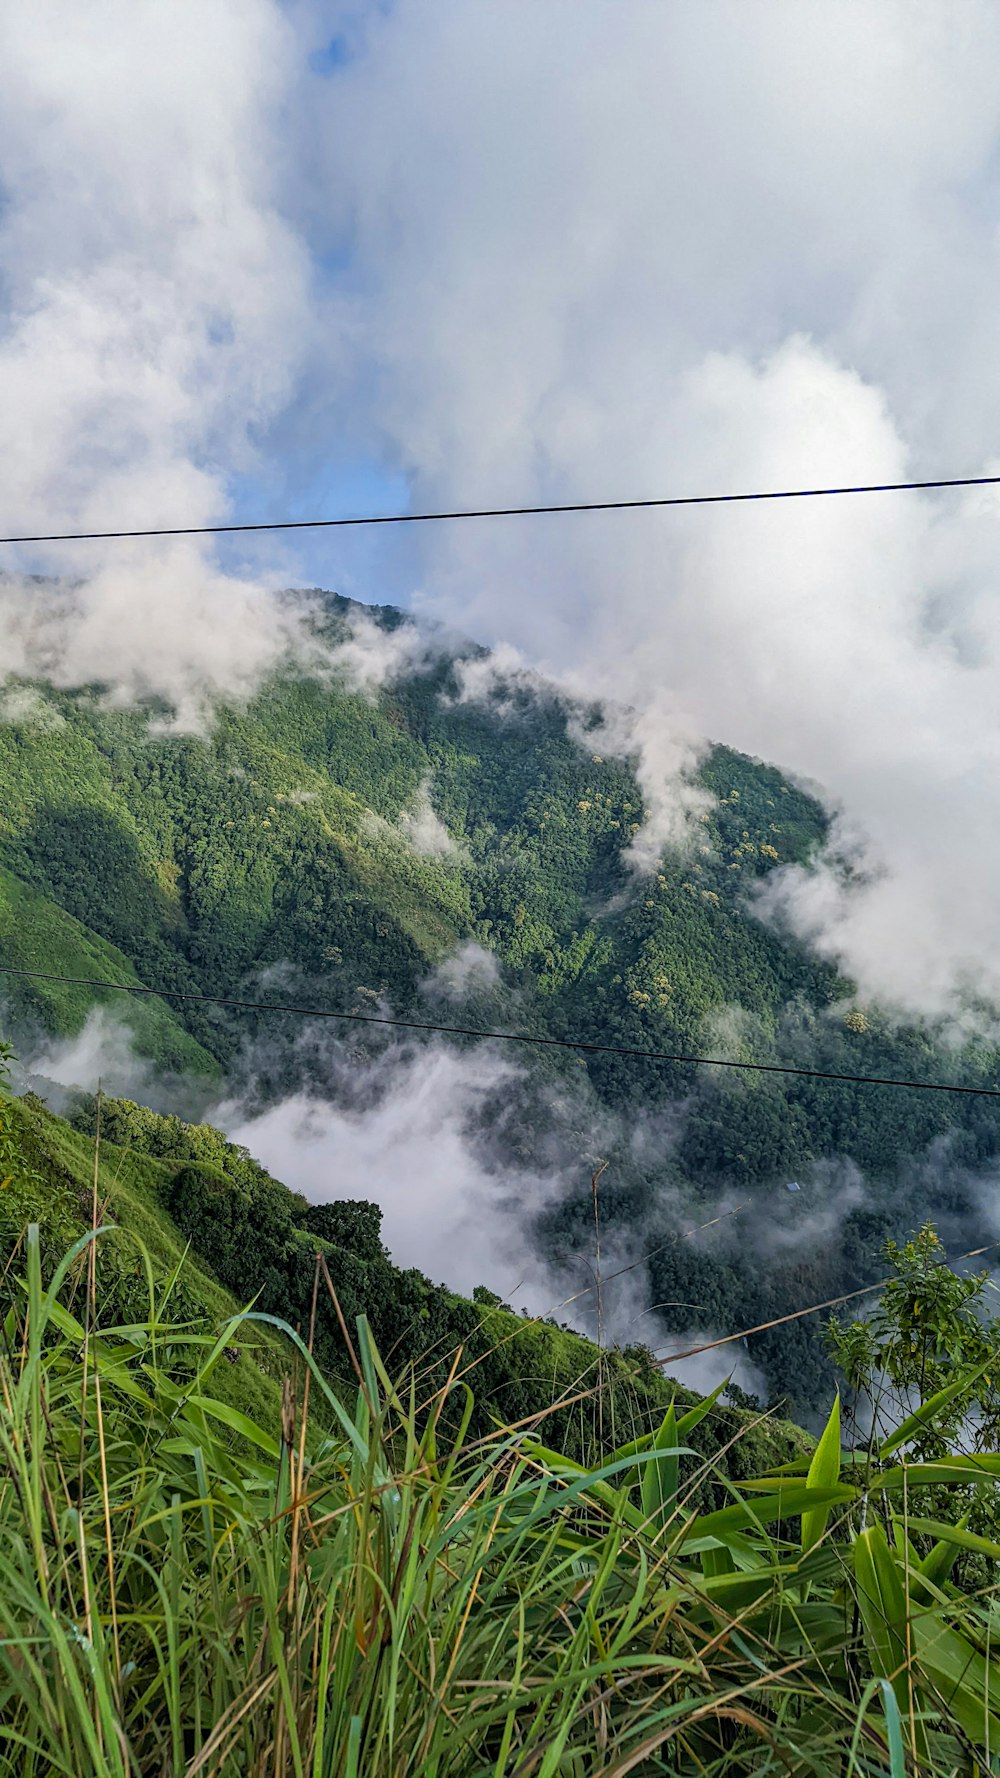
<point>358,839</point>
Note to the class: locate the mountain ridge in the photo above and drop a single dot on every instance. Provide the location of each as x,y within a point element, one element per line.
<point>288,838</point>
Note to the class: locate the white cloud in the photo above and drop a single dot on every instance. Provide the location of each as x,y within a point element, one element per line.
<point>424,828</point>
<point>469,969</point>
<point>424,1132</point>
<point>167,625</point>
<point>587,256</point>
<point>101,1054</point>
<point>157,315</point>
<point>492,677</point>
<point>710,1364</point>
<point>371,657</point>
<point>408,1142</point>
<point>25,706</point>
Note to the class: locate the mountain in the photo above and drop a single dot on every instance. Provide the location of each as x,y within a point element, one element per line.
<point>336,847</point>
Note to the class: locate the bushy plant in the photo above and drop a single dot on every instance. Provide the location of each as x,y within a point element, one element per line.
<point>186,1590</point>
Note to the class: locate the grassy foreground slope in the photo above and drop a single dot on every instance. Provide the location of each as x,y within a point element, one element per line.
<point>359,1582</point>
<point>53,1187</point>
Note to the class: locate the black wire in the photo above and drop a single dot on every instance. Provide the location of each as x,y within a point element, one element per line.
<point>509,512</point>
<point>831,1302</point>
<point>566,1043</point>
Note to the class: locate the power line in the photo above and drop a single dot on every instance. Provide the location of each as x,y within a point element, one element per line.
<point>566,1043</point>
<point>814,1309</point>
<point>509,512</point>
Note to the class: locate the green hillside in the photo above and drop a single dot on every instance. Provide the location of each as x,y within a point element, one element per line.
<point>219,1232</point>
<point>357,841</point>
<point>34,928</point>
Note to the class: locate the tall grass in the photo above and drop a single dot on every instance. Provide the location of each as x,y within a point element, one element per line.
<point>350,1593</point>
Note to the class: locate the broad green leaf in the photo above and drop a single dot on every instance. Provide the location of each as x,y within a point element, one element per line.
<point>824,1472</point>
<point>556,1460</point>
<point>786,1503</point>
<point>237,1422</point>
<point>946,1471</point>
<point>770,1580</point>
<point>660,1473</point>
<point>966,1684</point>
<point>716,1560</point>
<point>793,1470</point>
<point>882,1603</point>
<point>928,1411</point>
<point>936,1566</point>
<point>955,1537</point>
<point>690,1420</point>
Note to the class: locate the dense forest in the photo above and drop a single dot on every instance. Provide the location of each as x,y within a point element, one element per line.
<point>356,840</point>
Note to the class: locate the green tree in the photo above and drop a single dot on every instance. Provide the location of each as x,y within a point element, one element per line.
<point>930,1336</point>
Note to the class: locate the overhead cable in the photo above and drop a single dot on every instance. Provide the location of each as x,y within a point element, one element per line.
<point>567,1043</point>
<point>507,512</point>
<point>832,1302</point>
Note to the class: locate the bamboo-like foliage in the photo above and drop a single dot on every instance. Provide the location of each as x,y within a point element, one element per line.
<point>354,1594</point>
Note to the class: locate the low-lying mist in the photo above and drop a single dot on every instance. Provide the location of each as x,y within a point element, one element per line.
<point>483,1164</point>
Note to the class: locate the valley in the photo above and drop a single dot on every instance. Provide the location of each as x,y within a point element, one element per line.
<point>414,849</point>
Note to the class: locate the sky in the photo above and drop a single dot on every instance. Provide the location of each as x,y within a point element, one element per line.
<point>262,260</point>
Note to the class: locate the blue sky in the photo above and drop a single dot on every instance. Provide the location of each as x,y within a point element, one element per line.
<point>373,565</point>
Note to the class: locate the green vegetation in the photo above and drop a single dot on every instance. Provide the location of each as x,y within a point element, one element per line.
<point>205,1213</point>
<point>194,863</point>
<point>350,1580</point>
<point>34,928</point>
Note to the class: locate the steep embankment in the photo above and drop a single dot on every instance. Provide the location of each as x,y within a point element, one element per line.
<point>217,1232</point>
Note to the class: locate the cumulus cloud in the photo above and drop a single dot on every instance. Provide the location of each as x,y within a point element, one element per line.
<point>167,625</point>
<point>156,316</point>
<point>583,255</point>
<point>579,257</point>
<point>606,257</point>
